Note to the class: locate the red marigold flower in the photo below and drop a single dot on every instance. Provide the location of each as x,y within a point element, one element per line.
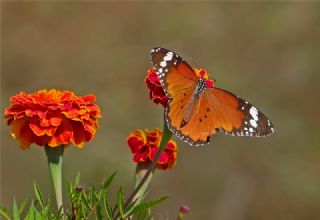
<point>52,118</point>
<point>144,146</point>
<point>156,92</point>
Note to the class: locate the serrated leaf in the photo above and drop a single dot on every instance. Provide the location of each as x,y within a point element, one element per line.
<point>38,194</point>
<point>16,214</point>
<point>147,205</point>
<point>21,207</point>
<point>121,202</point>
<point>98,211</point>
<point>107,183</point>
<point>5,213</point>
<point>107,207</point>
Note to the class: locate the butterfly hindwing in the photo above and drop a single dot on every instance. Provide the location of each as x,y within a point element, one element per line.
<point>239,117</point>
<point>200,126</point>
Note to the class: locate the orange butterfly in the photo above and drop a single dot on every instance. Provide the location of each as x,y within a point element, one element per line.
<point>196,109</point>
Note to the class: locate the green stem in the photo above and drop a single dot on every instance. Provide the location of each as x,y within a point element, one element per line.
<point>141,170</point>
<point>166,136</point>
<point>54,156</point>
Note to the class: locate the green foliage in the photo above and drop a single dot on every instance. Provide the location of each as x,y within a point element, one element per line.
<point>84,203</point>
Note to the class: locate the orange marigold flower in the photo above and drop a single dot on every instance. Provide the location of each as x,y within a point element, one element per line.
<point>156,92</point>
<point>52,118</point>
<point>144,146</point>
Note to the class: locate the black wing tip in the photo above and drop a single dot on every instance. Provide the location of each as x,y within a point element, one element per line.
<point>157,49</point>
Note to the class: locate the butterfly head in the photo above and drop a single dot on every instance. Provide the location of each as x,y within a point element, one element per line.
<point>202,74</point>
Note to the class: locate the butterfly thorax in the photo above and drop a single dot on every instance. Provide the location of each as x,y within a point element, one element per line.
<point>200,87</point>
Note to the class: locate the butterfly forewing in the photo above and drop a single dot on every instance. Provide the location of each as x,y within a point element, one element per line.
<point>175,74</point>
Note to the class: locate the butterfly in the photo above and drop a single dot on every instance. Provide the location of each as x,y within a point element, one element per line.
<point>196,109</point>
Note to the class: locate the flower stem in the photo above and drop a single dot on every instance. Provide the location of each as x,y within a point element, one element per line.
<point>141,170</point>
<point>166,136</point>
<point>54,156</point>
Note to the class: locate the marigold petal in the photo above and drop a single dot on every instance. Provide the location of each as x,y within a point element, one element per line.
<point>79,134</point>
<point>172,145</point>
<point>89,98</point>
<point>63,134</point>
<point>136,140</point>
<point>36,127</point>
<point>27,137</point>
<point>44,122</point>
<point>153,137</point>
<point>41,140</point>
<point>55,119</point>
<point>163,158</point>
<point>16,127</point>
<point>90,126</point>
<point>142,156</point>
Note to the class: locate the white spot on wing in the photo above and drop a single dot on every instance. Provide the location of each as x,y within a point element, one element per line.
<point>253,123</point>
<point>168,56</point>
<point>254,113</point>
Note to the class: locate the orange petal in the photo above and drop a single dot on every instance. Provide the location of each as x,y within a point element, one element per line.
<point>16,127</point>
<point>63,134</point>
<point>36,127</point>
<point>27,137</point>
<point>79,134</point>
<point>55,119</point>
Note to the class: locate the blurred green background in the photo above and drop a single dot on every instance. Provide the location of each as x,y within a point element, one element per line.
<point>267,53</point>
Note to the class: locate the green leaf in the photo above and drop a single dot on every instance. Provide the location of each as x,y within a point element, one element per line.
<point>21,207</point>
<point>86,201</point>
<point>30,214</point>
<point>70,188</point>
<point>98,211</point>
<point>16,214</point>
<point>147,205</point>
<point>33,213</point>
<point>77,181</point>
<point>38,195</point>
<point>142,215</point>
<point>37,215</point>
<point>107,183</point>
<point>59,214</point>
<point>130,208</point>
<point>5,213</point>
<point>121,202</point>
<point>107,206</point>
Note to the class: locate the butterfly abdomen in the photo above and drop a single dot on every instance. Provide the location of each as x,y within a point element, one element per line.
<point>189,110</point>
<point>193,102</point>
